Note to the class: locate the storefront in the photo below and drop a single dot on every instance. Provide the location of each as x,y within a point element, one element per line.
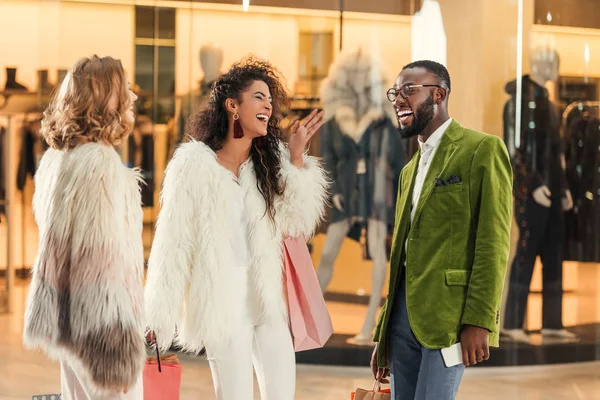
<point>340,53</point>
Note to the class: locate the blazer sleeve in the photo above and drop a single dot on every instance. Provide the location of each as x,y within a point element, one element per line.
<point>491,209</point>
<point>172,255</point>
<point>302,205</point>
<point>96,277</point>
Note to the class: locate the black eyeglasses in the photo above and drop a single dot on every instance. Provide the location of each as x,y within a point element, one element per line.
<point>406,91</point>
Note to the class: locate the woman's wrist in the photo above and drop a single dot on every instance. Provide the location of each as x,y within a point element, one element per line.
<point>297,162</point>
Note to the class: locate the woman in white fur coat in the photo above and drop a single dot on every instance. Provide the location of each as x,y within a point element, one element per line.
<point>230,196</point>
<point>85,302</point>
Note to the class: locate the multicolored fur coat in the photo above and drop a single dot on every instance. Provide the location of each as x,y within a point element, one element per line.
<point>86,296</point>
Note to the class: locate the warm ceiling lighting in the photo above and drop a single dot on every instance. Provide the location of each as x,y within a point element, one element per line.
<point>549,17</point>
<point>245,5</point>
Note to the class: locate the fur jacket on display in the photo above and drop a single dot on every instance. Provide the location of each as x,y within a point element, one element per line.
<point>187,295</point>
<point>85,302</point>
<point>360,130</point>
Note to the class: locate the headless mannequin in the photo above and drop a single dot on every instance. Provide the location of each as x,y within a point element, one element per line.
<point>211,60</point>
<point>545,68</point>
<point>376,241</point>
<point>357,123</point>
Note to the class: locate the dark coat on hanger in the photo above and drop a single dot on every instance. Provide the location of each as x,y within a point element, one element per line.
<point>582,144</point>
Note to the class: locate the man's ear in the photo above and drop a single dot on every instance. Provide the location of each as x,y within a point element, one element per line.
<point>441,94</point>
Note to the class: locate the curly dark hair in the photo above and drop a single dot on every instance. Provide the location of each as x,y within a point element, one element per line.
<point>210,124</point>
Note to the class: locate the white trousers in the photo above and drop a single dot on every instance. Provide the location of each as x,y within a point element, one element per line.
<point>266,349</point>
<point>76,385</point>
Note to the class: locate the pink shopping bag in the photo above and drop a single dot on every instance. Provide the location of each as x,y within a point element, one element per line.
<point>310,322</point>
<point>162,383</point>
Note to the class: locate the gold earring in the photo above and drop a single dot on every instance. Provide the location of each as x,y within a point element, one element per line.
<point>236,116</point>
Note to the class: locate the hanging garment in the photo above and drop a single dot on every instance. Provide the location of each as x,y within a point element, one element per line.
<point>582,145</point>
<point>3,168</point>
<point>28,158</point>
<point>428,37</point>
<point>141,155</point>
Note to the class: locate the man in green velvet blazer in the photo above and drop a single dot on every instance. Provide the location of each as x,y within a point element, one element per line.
<point>450,247</point>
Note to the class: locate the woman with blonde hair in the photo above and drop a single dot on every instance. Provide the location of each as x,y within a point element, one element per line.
<point>85,302</point>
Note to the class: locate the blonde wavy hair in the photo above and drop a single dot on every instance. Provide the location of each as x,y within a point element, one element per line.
<point>90,105</point>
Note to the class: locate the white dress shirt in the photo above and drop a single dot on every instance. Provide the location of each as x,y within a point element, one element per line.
<point>428,149</point>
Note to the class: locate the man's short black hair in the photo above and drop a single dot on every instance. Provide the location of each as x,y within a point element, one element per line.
<point>435,68</point>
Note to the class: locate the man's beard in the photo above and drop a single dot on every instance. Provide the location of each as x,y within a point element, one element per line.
<point>421,118</point>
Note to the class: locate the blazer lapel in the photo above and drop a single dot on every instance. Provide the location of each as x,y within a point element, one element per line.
<point>442,157</point>
<point>403,207</point>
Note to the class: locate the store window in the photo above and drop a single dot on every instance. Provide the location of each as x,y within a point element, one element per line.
<point>539,92</point>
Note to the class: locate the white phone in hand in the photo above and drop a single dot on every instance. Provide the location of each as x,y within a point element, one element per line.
<point>452,355</point>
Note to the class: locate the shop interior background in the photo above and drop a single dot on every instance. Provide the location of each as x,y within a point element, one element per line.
<point>489,44</point>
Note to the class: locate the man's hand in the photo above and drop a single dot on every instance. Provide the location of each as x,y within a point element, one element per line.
<point>474,344</point>
<point>380,374</point>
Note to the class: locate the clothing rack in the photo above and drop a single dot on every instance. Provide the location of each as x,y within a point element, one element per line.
<point>16,110</point>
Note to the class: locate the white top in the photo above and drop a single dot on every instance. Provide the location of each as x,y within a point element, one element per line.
<point>238,227</point>
<point>428,149</point>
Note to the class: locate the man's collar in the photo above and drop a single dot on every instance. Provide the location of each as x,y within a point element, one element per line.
<point>435,139</point>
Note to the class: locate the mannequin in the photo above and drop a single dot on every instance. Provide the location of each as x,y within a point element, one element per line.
<point>541,196</point>
<point>363,156</point>
<point>211,61</point>
<point>427,34</point>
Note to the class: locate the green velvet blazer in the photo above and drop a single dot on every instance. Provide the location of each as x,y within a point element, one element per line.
<point>458,244</point>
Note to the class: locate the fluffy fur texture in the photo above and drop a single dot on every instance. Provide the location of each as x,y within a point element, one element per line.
<point>86,295</point>
<point>354,93</point>
<point>187,288</point>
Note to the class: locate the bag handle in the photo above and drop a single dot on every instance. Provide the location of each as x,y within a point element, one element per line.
<point>376,386</point>
<point>158,357</point>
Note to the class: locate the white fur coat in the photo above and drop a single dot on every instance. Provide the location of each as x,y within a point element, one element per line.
<point>187,289</point>
<point>354,93</point>
<point>86,295</point>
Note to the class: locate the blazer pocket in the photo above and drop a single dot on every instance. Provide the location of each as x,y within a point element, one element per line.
<point>455,187</point>
<point>457,277</point>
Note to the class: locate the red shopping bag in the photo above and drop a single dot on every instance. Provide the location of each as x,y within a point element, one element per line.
<point>310,322</point>
<point>162,378</point>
